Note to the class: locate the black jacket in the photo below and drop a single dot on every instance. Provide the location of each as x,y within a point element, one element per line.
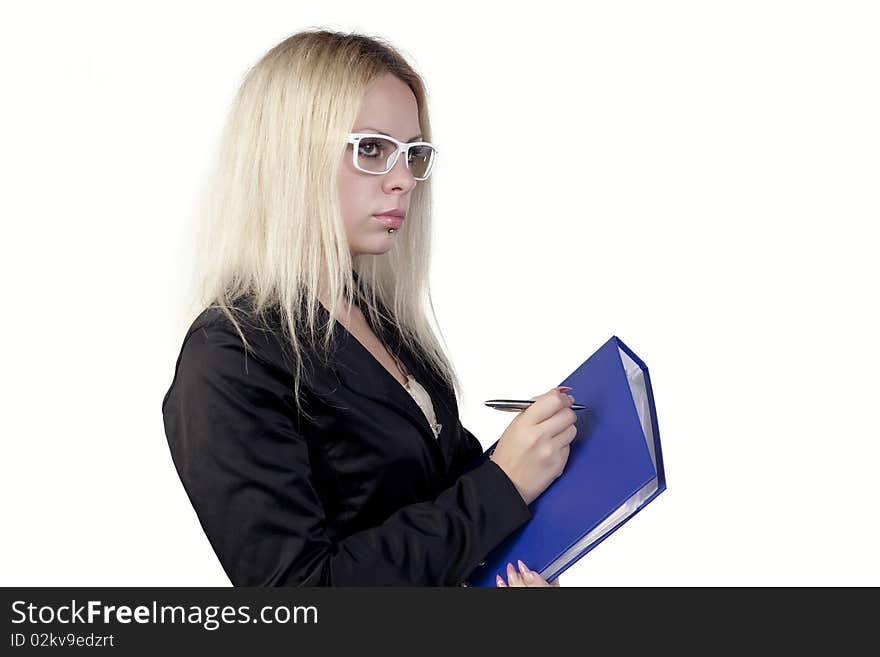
<point>362,495</point>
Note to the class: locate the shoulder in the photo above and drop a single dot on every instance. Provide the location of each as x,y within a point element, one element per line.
<point>259,336</point>
<point>210,337</point>
<point>250,342</point>
<point>215,319</point>
<point>212,331</point>
<point>214,347</point>
<point>217,369</point>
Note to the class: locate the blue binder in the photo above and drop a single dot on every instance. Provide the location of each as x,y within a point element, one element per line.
<point>614,469</point>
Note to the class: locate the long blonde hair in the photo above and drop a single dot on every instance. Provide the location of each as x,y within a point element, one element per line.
<point>271,226</point>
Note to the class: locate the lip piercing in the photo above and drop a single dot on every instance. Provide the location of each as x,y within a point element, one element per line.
<point>391,230</point>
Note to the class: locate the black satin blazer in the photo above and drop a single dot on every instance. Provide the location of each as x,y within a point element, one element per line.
<point>363,494</point>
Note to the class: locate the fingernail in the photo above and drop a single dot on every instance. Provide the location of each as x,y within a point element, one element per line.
<point>498,580</point>
<point>528,575</point>
<point>522,566</point>
<point>564,388</point>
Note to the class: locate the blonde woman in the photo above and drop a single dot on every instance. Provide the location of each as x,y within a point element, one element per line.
<point>312,416</point>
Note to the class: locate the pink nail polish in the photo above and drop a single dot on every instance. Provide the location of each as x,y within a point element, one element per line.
<point>522,566</point>
<point>498,580</point>
<point>564,388</point>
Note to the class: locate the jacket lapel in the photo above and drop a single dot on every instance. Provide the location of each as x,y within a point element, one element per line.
<point>439,399</point>
<point>359,370</point>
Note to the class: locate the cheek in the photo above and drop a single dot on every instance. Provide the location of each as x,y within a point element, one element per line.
<point>354,194</point>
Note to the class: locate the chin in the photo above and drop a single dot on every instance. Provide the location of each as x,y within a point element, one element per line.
<point>379,246</point>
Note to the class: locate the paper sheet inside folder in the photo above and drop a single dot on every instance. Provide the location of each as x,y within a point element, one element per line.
<point>614,469</point>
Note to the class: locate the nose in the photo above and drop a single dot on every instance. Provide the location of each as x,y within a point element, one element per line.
<point>399,177</point>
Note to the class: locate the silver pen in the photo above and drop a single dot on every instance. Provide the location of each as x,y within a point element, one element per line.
<point>516,405</point>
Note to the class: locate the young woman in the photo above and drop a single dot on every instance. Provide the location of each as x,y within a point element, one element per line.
<point>312,416</point>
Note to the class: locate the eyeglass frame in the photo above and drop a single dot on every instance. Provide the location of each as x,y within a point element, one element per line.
<point>402,147</point>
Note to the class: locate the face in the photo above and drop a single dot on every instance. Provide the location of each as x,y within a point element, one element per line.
<point>389,107</point>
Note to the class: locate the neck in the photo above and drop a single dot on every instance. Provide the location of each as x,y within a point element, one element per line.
<point>323,292</point>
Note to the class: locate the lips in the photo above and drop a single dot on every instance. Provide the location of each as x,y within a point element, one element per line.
<point>389,221</point>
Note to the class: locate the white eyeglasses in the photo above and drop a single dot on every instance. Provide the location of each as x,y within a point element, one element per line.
<point>377,154</point>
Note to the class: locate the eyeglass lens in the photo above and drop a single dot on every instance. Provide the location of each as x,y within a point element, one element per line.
<point>375,154</point>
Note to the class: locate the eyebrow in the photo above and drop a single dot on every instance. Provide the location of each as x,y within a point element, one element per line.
<point>369,129</point>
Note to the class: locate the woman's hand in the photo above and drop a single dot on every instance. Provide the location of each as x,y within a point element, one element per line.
<point>533,450</point>
<point>525,577</point>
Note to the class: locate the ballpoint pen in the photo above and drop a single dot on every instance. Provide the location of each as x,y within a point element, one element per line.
<point>516,405</point>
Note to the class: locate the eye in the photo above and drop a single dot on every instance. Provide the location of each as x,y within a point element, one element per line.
<point>371,147</point>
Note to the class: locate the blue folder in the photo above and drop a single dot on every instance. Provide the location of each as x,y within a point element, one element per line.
<point>614,469</point>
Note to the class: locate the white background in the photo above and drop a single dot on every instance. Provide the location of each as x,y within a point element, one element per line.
<point>698,178</point>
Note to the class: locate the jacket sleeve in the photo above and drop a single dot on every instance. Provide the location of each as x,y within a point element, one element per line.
<point>246,470</point>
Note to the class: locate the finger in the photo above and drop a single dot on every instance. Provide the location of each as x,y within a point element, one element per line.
<point>567,436</point>
<point>560,421</point>
<point>555,582</point>
<point>547,405</point>
<point>552,390</point>
<point>530,577</point>
<point>513,577</point>
<point>499,581</point>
